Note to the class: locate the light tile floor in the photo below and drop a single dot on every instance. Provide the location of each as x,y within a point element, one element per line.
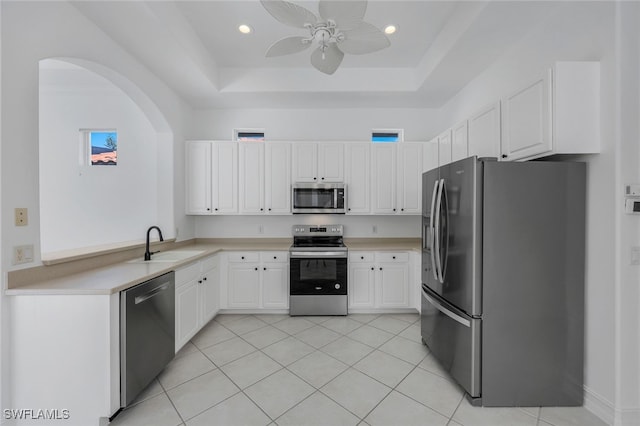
<point>356,370</point>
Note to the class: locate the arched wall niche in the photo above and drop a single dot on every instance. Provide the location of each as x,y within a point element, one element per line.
<point>87,208</point>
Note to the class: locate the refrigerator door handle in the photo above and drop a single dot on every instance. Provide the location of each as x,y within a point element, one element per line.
<point>444,251</point>
<point>439,276</point>
<point>434,267</point>
<point>457,318</point>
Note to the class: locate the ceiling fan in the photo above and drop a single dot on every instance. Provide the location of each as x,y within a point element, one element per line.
<point>338,30</point>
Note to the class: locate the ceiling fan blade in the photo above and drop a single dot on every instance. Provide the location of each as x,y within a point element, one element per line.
<point>347,14</point>
<point>289,13</point>
<point>331,61</point>
<point>286,46</point>
<point>365,38</point>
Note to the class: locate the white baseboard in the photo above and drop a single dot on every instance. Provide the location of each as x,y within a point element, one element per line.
<point>627,417</point>
<point>599,406</point>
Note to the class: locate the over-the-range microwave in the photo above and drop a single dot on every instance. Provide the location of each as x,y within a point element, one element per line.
<point>319,198</point>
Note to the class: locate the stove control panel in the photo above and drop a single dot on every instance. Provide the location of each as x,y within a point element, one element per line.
<point>329,230</point>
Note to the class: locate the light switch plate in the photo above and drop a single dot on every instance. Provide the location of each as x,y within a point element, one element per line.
<point>635,255</point>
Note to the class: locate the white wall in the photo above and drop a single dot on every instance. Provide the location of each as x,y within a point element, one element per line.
<point>280,226</point>
<point>82,205</point>
<point>32,31</point>
<point>346,124</point>
<point>592,31</point>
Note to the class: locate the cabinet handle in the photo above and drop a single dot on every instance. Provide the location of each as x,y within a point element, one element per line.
<point>216,209</point>
<point>381,269</point>
<point>362,257</point>
<point>269,208</point>
<point>401,210</point>
<point>264,269</point>
<point>208,209</point>
<point>349,209</point>
<point>394,210</point>
<point>275,257</point>
<point>322,178</point>
<point>256,269</point>
<point>315,178</point>
<point>504,155</point>
<point>199,281</point>
<point>242,258</point>
<point>204,279</point>
<point>372,268</point>
<point>393,257</point>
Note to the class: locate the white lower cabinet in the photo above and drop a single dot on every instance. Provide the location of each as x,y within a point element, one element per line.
<point>197,297</point>
<point>379,280</point>
<point>256,280</point>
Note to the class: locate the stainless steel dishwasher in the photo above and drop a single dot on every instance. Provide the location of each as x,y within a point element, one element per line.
<point>147,333</point>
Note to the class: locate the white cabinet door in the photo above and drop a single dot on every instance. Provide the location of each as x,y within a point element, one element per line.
<point>198,177</point>
<point>187,313</point>
<point>243,285</point>
<point>394,283</point>
<point>383,173</point>
<point>305,162</point>
<point>357,177</point>
<point>210,291</point>
<point>361,285</point>
<point>278,178</point>
<point>330,162</point>
<point>430,155</point>
<point>459,140</point>
<point>444,148</point>
<point>484,132</point>
<point>225,177</point>
<point>526,120</point>
<point>252,177</point>
<point>410,178</point>
<point>275,286</point>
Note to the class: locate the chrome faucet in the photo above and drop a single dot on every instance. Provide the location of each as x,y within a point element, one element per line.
<point>147,253</point>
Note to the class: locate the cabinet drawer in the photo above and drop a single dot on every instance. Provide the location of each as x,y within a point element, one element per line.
<point>243,257</point>
<point>209,263</point>
<point>275,256</point>
<point>361,256</point>
<point>390,257</point>
<point>187,273</point>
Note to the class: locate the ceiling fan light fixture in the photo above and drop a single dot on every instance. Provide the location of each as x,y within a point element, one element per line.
<point>390,29</point>
<point>245,29</point>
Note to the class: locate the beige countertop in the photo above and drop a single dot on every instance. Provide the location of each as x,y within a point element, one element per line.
<point>115,277</point>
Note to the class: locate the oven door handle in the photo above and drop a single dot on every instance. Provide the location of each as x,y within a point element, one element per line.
<point>318,254</point>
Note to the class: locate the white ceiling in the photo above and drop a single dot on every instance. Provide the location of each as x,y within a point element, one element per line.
<point>195,47</point>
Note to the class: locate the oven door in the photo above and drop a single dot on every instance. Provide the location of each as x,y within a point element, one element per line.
<point>313,273</point>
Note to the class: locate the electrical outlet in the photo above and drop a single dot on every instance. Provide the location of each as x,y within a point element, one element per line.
<point>22,218</point>
<point>23,254</point>
<point>374,229</point>
<point>635,256</point>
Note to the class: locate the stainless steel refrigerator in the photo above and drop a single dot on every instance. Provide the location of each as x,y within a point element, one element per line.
<point>503,264</point>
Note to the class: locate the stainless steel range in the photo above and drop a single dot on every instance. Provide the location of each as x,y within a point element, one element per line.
<point>318,278</point>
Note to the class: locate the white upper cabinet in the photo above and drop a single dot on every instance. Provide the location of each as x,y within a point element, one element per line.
<point>444,147</point>
<point>459,141</point>
<point>252,177</point>
<point>198,177</point>
<point>211,177</point>
<point>558,113</point>
<point>331,162</point>
<point>383,177</point>
<point>430,155</point>
<point>278,178</point>
<point>409,178</point>
<point>484,132</point>
<point>358,177</point>
<point>305,162</point>
<point>224,177</point>
<point>265,178</point>
<point>318,162</point>
<point>526,120</point>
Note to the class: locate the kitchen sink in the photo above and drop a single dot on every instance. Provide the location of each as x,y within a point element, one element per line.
<point>169,256</point>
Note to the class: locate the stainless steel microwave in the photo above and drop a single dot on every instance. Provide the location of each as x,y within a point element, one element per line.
<point>320,198</point>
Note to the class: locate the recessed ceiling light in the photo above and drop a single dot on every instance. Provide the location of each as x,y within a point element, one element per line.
<point>390,29</point>
<point>244,29</point>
